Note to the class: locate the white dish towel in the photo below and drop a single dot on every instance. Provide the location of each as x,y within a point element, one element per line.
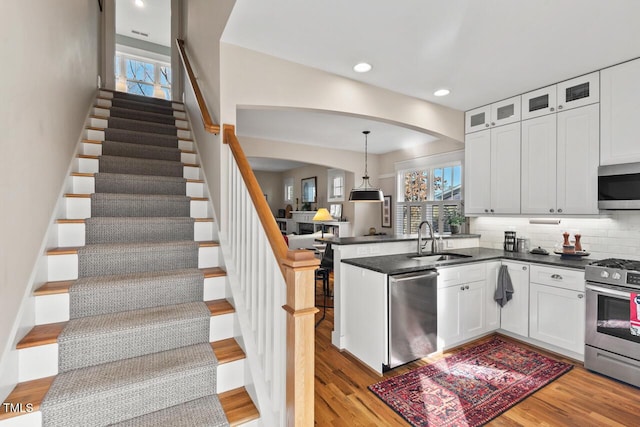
<point>504,289</point>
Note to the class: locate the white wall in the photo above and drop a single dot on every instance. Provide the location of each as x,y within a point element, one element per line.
<point>615,236</point>
<point>203,23</point>
<point>49,76</point>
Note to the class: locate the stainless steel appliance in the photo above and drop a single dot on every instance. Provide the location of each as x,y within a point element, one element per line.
<point>610,347</point>
<point>619,186</point>
<point>413,316</point>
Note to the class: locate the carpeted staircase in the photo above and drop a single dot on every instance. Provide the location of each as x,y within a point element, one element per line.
<point>136,349</point>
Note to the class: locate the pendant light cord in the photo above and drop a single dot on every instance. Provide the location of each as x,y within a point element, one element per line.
<point>366,173</point>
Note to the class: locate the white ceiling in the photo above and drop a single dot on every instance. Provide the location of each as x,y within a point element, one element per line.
<point>482,50</point>
<point>154,19</point>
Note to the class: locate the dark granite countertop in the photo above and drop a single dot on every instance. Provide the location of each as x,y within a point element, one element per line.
<point>386,238</point>
<point>403,263</point>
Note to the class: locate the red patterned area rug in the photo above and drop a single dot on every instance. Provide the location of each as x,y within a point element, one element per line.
<point>471,387</point>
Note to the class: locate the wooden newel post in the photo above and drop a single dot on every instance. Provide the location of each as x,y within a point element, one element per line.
<point>299,273</point>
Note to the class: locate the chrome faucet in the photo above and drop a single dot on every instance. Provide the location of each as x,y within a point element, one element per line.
<point>433,241</point>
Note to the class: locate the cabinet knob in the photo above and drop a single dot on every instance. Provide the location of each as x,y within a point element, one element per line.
<point>580,296</point>
<point>493,123</point>
<point>524,267</point>
<point>486,210</point>
<point>466,287</point>
<point>551,210</point>
<point>462,288</point>
<point>552,109</point>
<point>491,210</point>
<point>556,276</point>
<point>559,210</point>
<point>486,125</point>
<point>559,107</point>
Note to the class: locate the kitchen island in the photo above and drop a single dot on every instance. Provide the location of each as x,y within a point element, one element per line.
<point>548,312</point>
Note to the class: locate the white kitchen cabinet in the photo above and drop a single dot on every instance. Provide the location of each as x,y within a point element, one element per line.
<point>464,304</point>
<point>492,307</point>
<point>577,161</point>
<point>557,305</point>
<point>514,316</point>
<point>497,114</point>
<point>620,109</point>
<point>539,181</point>
<point>492,171</point>
<point>573,93</point>
<point>365,323</point>
<point>559,162</point>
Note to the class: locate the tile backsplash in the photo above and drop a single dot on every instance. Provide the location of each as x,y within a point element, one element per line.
<point>613,236</point>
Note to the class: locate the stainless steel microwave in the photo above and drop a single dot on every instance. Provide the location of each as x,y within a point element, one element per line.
<point>619,186</point>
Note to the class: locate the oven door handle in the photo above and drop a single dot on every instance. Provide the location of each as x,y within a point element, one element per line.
<point>607,291</point>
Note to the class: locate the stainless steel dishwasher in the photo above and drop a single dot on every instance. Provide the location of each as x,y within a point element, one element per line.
<point>413,316</point>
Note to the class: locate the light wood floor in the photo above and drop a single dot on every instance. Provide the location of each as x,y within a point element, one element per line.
<point>578,398</point>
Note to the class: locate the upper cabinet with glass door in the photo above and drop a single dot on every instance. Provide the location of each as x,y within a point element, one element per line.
<point>497,114</point>
<point>577,92</point>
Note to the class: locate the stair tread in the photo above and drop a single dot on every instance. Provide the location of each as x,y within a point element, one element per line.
<point>238,406</point>
<point>92,175</point>
<point>83,221</point>
<point>73,250</point>
<point>62,287</point>
<point>92,157</point>
<point>27,392</point>
<point>48,333</point>
<point>88,196</point>
<point>227,350</point>
<point>94,142</point>
<point>98,117</point>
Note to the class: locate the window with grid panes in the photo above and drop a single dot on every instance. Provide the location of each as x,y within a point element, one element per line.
<point>430,193</point>
<point>142,76</point>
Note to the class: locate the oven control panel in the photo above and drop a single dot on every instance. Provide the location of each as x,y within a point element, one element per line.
<point>633,278</point>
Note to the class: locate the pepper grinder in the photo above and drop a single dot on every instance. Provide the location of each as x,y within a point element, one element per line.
<point>578,244</point>
<point>566,239</point>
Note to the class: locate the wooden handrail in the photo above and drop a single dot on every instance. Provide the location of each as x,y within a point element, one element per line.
<point>209,126</point>
<point>269,224</point>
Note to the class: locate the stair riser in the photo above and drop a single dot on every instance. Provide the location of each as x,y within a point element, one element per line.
<point>96,122</point>
<point>55,308</point>
<point>105,112</point>
<point>92,165</point>
<point>96,150</point>
<point>87,185</point>
<point>107,96</point>
<point>98,135</point>
<point>74,234</point>
<point>65,267</point>
<point>80,208</point>
<point>42,361</point>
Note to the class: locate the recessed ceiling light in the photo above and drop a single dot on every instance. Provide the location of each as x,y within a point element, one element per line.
<point>139,3</point>
<point>362,67</point>
<point>442,92</point>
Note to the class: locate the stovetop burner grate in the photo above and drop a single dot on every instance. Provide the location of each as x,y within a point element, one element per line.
<point>622,264</point>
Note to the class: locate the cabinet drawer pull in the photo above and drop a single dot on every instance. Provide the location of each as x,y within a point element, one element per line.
<point>556,277</point>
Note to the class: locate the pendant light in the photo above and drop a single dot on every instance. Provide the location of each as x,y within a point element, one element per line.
<point>366,192</point>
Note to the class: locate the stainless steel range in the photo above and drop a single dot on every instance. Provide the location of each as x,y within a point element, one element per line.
<point>611,347</point>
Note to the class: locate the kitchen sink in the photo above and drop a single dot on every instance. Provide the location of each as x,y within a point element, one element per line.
<point>438,257</point>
